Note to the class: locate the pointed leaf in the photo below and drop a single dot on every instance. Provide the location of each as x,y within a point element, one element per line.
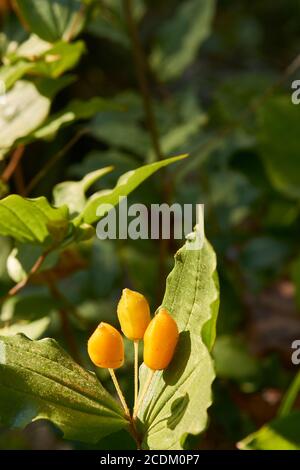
<point>72,193</point>
<point>50,20</point>
<point>177,400</point>
<point>279,122</point>
<point>180,38</point>
<point>76,110</point>
<point>39,380</point>
<point>125,185</point>
<point>32,220</point>
<point>280,434</point>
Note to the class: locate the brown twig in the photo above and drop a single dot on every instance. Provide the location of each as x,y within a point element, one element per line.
<point>13,163</point>
<point>20,285</point>
<point>54,159</point>
<point>19,180</point>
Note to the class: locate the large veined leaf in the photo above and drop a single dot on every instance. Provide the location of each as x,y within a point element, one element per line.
<point>32,330</point>
<point>39,380</point>
<point>280,434</point>
<point>125,185</point>
<point>24,108</point>
<point>51,19</point>
<point>32,220</point>
<point>177,400</point>
<point>279,122</point>
<point>180,38</point>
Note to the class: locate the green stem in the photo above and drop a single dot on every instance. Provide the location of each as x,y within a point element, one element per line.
<point>119,392</point>
<point>290,397</point>
<point>136,371</point>
<point>143,393</point>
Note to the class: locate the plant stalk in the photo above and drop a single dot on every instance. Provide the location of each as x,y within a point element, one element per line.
<point>136,371</point>
<point>143,393</point>
<point>20,285</point>
<point>119,392</point>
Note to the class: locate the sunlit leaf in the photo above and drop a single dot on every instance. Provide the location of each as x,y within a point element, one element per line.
<point>280,434</point>
<point>177,400</point>
<point>39,380</point>
<point>125,185</point>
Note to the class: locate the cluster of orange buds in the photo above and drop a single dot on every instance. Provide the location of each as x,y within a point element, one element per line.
<point>160,335</point>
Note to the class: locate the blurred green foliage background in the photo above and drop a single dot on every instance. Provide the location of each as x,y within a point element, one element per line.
<point>220,80</point>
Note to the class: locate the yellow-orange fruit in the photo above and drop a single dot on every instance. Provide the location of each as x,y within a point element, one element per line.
<point>133,314</point>
<point>160,341</point>
<point>106,347</point>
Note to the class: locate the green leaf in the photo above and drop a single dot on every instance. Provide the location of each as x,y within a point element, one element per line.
<point>279,122</point>
<point>233,361</point>
<point>177,400</point>
<point>280,434</point>
<point>74,111</point>
<point>52,63</point>
<point>32,330</point>
<point>180,38</point>
<point>31,49</point>
<point>72,193</point>
<point>32,303</point>
<point>9,74</point>
<point>32,220</point>
<point>22,258</point>
<point>39,380</point>
<point>125,185</point>
<point>119,131</point>
<point>60,58</point>
<point>51,20</point>
<point>26,106</point>
<point>24,110</point>
<point>290,397</point>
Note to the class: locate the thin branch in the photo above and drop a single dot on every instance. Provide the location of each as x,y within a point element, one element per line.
<point>119,392</point>
<point>20,285</point>
<point>19,180</point>
<point>13,163</point>
<point>53,160</point>
<point>141,70</point>
<point>136,371</point>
